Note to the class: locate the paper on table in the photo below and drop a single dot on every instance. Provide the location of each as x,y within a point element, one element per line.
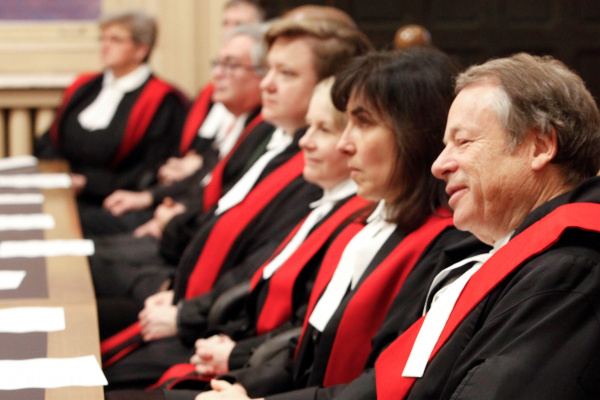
<point>50,373</point>
<point>32,319</point>
<point>24,222</point>
<point>21,198</point>
<point>43,181</point>
<point>17,162</point>
<point>46,248</point>
<point>10,280</point>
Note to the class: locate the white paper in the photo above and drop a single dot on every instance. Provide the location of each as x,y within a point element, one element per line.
<point>32,319</point>
<point>42,181</point>
<point>21,198</point>
<point>24,222</point>
<point>17,162</point>
<point>46,248</point>
<point>11,280</point>
<point>51,373</point>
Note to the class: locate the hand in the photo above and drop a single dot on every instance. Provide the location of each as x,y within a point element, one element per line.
<point>223,390</point>
<point>166,211</point>
<point>176,169</point>
<point>158,319</point>
<point>78,183</point>
<point>150,228</point>
<point>121,201</point>
<point>212,355</point>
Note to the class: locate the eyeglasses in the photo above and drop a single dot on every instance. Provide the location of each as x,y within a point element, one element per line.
<point>230,67</point>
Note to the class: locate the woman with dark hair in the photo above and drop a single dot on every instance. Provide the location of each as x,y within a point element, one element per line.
<point>116,128</point>
<point>397,103</point>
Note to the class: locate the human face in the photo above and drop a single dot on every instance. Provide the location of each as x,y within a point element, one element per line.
<point>238,14</point>
<point>371,146</point>
<point>488,184</point>
<point>324,165</point>
<point>118,51</point>
<point>235,78</point>
<point>288,85</point>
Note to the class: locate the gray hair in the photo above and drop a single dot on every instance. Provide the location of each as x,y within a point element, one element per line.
<point>258,52</point>
<point>542,94</point>
<point>260,10</point>
<point>143,28</point>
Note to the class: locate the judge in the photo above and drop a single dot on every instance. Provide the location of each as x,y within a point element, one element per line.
<point>521,322</point>
<point>116,128</point>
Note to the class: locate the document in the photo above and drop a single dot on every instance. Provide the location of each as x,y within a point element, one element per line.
<point>46,248</point>
<point>50,373</point>
<point>32,319</point>
<point>11,280</point>
<point>21,198</point>
<point>8,163</point>
<point>42,181</point>
<point>26,222</point>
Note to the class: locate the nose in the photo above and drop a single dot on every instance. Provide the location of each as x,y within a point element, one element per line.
<point>346,144</point>
<point>218,71</point>
<point>306,141</point>
<point>444,164</point>
<point>267,83</point>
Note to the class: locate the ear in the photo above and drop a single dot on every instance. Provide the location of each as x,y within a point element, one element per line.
<point>141,52</point>
<point>544,148</point>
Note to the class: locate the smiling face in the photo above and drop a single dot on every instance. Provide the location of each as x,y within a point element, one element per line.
<point>118,51</point>
<point>235,78</point>
<point>371,147</point>
<point>287,88</point>
<point>324,165</point>
<point>489,185</point>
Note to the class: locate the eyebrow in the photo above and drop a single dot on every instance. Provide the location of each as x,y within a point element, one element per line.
<point>359,110</point>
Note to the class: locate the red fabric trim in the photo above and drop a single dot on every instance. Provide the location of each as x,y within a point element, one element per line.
<point>234,221</point>
<point>69,92</point>
<point>278,305</point>
<point>141,116</point>
<point>195,118</point>
<point>212,191</point>
<point>370,303</point>
<point>116,340</point>
<point>529,243</point>
<point>176,371</point>
<point>328,266</point>
<point>121,354</point>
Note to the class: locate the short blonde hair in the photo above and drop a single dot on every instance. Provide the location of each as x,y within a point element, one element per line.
<point>142,27</point>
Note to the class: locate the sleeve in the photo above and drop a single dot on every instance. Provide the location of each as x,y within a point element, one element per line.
<point>43,148</point>
<point>138,171</point>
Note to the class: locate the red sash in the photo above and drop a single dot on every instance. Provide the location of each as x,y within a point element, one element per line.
<point>234,221</point>
<point>534,240</point>
<point>212,191</point>
<point>278,304</point>
<point>141,115</point>
<point>195,118</point>
<point>216,248</point>
<point>69,92</point>
<point>370,303</point>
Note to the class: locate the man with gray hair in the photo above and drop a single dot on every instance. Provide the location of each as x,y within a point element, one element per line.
<point>522,321</point>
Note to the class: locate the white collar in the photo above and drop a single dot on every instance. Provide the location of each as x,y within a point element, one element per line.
<point>129,81</point>
<point>340,191</point>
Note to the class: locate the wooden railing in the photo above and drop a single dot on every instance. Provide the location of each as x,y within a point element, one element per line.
<point>27,107</point>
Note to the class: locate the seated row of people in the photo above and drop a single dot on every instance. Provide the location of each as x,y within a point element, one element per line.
<point>382,276</point>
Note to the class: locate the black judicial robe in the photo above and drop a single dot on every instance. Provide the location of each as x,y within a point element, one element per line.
<point>302,378</point>
<point>534,336</point>
<point>249,251</point>
<point>122,260</point>
<point>102,156</point>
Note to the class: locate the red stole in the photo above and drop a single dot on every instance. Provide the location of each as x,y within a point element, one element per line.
<point>195,118</point>
<point>212,191</point>
<point>277,307</point>
<point>234,221</point>
<point>372,299</point>
<point>532,241</point>
<point>139,120</point>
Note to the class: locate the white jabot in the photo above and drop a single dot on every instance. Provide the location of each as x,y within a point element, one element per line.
<point>278,143</point>
<point>321,208</point>
<point>102,110</point>
<point>354,261</point>
<point>217,116</point>
<point>229,134</point>
<point>441,308</point>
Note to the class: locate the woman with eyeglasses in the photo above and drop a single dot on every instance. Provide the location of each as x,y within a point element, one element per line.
<point>117,127</point>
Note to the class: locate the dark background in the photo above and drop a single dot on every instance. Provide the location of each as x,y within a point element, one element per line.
<point>476,30</point>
